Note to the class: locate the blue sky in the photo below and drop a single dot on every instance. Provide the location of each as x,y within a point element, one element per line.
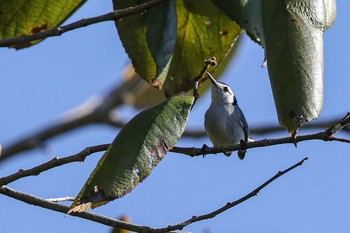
<point>43,82</point>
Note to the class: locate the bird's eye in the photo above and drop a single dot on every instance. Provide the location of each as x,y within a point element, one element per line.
<point>225,89</point>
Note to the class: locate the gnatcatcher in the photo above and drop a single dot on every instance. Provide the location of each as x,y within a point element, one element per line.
<point>224,121</point>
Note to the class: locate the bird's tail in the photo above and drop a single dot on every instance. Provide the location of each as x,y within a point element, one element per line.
<point>241,154</point>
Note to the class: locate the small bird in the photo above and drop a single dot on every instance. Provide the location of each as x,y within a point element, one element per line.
<point>224,121</point>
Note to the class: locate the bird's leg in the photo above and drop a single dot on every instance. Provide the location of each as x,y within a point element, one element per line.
<point>204,150</point>
<point>243,144</point>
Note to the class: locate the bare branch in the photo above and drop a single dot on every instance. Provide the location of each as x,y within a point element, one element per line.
<point>37,201</point>
<point>193,151</point>
<point>79,157</point>
<point>327,135</point>
<point>33,200</point>
<point>112,16</point>
<point>228,205</point>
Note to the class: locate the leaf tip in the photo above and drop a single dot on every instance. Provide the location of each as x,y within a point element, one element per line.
<point>95,199</point>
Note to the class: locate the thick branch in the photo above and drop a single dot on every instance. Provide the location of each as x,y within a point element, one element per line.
<point>112,16</point>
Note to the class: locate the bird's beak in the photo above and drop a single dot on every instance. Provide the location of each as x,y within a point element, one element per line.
<point>212,80</point>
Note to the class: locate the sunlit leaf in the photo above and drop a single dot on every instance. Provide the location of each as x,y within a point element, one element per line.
<point>137,149</point>
<point>26,17</point>
<point>203,32</point>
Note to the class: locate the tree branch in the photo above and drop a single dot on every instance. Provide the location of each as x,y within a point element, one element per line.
<point>112,16</point>
<point>55,162</point>
<point>228,205</point>
<point>193,151</point>
<point>37,201</point>
<point>326,135</point>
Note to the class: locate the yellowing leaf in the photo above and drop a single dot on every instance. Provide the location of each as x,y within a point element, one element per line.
<point>26,17</point>
<point>203,32</point>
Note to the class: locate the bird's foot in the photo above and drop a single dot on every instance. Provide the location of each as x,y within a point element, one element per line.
<point>204,150</point>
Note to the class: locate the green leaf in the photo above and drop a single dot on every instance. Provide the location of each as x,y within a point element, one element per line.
<point>26,17</point>
<point>137,149</point>
<point>247,13</point>
<point>203,32</point>
<point>293,32</point>
<point>149,39</point>
<point>161,37</point>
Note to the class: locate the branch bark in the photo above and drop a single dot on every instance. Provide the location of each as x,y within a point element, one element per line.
<point>37,201</point>
<point>228,205</point>
<point>55,162</point>
<point>193,151</point>
<point>112,16</point>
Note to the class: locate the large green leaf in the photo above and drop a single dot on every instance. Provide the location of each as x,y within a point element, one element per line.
<point>203,32</point>
<point>26,17</point>
<point>149,39</point>
<point>137,149</point>
<point>293,32</point>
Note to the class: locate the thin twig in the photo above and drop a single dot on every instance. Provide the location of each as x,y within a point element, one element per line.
<point>60,199</point>
<point>112,16</point>
<point>339,125</point>
<point>228,205</point>
<point>207,64</point>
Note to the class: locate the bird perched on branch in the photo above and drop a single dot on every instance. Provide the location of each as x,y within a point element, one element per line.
<point>224,121</point>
